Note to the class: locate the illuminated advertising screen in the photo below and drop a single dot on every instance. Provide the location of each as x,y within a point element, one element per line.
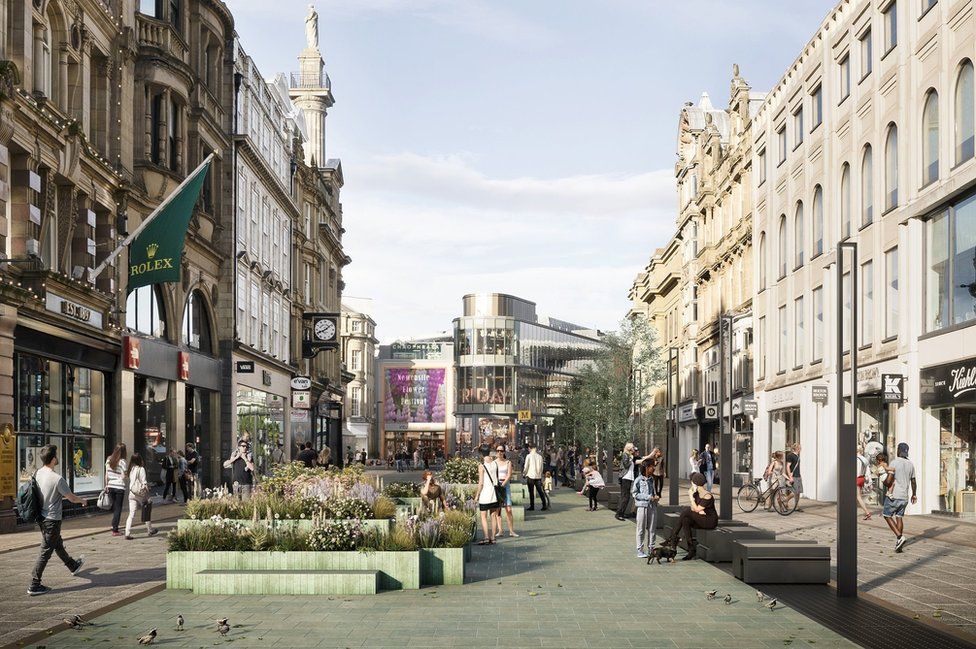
<point>414,396</point>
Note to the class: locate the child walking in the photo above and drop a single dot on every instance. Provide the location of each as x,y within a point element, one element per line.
<point>645,498</point>
<point>547,482</point>
<point>594,482</point>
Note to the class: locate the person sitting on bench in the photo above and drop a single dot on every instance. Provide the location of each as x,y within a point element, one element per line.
<point>700,515</point>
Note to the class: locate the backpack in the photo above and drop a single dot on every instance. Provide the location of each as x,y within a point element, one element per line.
<point>29,501</point>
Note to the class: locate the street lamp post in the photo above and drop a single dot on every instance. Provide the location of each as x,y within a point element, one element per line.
<point>674,395</point>
<point>846,434</point>
<point>725,425</point>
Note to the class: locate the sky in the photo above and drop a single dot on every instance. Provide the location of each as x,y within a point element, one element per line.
<point>515,146</point>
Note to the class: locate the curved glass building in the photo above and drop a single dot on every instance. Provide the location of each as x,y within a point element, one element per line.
<point>508,359</point>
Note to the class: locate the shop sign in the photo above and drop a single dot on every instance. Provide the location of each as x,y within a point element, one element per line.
<point>183,365</point>
<point>301,399</point>
<point>8,462</point>
<point>525,415</point>
<point>299,416</point>
<point>686,412</point>
<point>301,383</point>
<point>131,353</point>
<point>265,377</point>
<point>710,413</point>
<point>868,380</point>
<point>245,367</point>
<point>819,393</point>
<point>417,351</point>
<point>892,388</point>
<point>750,407</point>
<point>949,384</point>
<point>73,310</point>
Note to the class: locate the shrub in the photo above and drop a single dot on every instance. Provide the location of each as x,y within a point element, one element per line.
<point>461,470</point>
<point>210,536</point>
<point>339,508</point>
<point>401,490</point>
<point>455,537</point>
<point>383,507</point>
<point>335,536</point>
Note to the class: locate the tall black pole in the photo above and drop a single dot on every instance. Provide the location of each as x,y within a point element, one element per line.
<point>846,434</point>
<point>673,451</point>
<point>725,430</point>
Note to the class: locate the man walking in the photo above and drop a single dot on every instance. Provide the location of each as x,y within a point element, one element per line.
<point>708,466</point>
<point>532,470</point>
<point>793,476</point>
<point>901,475</point>
<point>53,490</point>
<point>308,455</point>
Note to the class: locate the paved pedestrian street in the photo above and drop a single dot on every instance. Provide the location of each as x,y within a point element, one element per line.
<point>570,580</point>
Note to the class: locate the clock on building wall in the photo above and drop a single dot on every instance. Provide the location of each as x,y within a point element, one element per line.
<point>322,332</point>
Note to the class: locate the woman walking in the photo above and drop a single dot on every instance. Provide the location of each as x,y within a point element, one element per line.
<point>505,477</point>
<point>657,459</point>
<point>701,515</point>
<point>694,463</point>
<point>774,473</point>
<point>593,483</point>
<point>115,470</point>
<point>139,499</point>
<point>488,498</point>
<point>863,471</point>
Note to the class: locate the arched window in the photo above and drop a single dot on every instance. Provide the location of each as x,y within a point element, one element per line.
<point>818,222</point>
<point>965,125</point>
<point>762,261</point>
<point>798,235</point>
<point>867,187</point>
<point>195,327</point>
<point>930,138</point>
<point>845,201</point>
<point>144,312</point>
<point>782,246</point>
<point>891,168</point>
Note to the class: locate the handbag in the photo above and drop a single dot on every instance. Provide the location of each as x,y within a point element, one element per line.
<point>147,512</point>
<point>499,490</point>
<point>104,500</point>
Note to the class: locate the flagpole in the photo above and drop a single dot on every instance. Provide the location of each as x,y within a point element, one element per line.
<point>146,221</point>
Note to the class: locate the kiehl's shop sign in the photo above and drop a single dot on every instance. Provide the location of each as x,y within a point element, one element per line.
<point>949,384</point>
<point>155,254</point>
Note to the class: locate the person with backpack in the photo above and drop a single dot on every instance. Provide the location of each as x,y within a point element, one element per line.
<point>41,502</point>
<point>115,468</point>
<point>139,499</point>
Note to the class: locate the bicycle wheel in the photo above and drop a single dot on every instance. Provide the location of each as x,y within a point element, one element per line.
<point>748,497</point>
<point>784,501</point>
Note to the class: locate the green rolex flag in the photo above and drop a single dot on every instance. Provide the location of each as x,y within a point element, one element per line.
<point>155,254</point>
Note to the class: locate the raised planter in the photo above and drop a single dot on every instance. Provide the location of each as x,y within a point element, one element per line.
<point>398,570</point>
<point>285,582</point>
<point>382,524</point>
<point>443,566</point>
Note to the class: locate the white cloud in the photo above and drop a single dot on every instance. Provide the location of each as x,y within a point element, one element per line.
<point>423,231</point>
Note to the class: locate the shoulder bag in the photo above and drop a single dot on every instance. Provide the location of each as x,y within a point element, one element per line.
<point>104,501</point>
<point>499,490</point>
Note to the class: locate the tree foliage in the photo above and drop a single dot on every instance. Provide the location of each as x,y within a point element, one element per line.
<point>602,399</point>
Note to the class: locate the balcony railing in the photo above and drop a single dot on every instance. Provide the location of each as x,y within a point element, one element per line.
<point>309,80</point>
<point>159,34</point>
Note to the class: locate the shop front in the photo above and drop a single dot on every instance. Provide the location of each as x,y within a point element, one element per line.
<point>877,412</point>
<point>263,412</point>
<point>413,413</point>
<point>687,436</point>
<point>948,394</point>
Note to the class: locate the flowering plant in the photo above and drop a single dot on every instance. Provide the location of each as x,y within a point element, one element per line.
<point>461,470</point>
<point>335,535</point>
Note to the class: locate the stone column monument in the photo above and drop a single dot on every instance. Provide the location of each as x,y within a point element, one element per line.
<point>311,90</point>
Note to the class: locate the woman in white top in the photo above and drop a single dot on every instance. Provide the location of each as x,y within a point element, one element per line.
<point>505,477</point>
<point>138,496</point>
<point>114,485</point>
<point>488,498</point>
<point>693,462</point>
<point>863,471</point>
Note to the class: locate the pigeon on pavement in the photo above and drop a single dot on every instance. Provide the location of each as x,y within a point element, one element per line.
<point>771,604</point>
<point>148,638</point>
<point>728,598</point>
<point>72,623</point>
<point>179,622</point>
<point>223,627</point>
<point>711,594</point>
<point>760,596</point>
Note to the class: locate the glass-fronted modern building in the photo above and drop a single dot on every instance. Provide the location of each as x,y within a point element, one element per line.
<point>508,359</point>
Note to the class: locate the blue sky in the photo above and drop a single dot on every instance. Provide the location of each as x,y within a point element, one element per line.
<point>524,147</point>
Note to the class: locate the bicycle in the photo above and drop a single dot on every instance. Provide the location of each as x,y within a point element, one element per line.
<point>782,499</point>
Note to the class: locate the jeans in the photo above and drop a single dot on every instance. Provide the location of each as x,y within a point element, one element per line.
<point>693,520</point>
<point>658,485</point>
<point>592,493</point>
<point>185,488</point>
<point>709,478</point>
<point>625,486</point>
<point>170,482</point>
<point>536,484</point>
<point>51,543</point>
<point>646,526</point>
<point>117,496</point>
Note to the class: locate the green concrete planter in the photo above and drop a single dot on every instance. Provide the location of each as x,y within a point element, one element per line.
<point>412,503</point>
<point>398,570</point>
<point>443,566</point>
<point>381,524</point>
<point>285,582</point>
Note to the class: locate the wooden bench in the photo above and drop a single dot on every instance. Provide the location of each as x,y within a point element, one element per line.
<point>783,561</point>
<point>286,582</point>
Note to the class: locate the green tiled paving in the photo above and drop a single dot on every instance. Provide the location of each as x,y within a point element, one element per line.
<point>571,580</point>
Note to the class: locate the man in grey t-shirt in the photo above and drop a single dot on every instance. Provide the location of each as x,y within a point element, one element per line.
<point>897,497</point>
<point>53,490</point>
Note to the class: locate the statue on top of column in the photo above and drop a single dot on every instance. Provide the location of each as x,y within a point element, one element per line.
<point>312,28</point>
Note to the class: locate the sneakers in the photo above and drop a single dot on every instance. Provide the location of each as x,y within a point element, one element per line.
<point>81,562</point>
<point>128,537</point>
<point>34,591</point>
<point>899,543</point>
<point>641,555</point>
<point>116,533</point>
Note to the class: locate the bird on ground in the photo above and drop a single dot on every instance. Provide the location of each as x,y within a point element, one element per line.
<point>710,594</point>
<point>179,622</point>
<point>771,604</point>
<point>760,596</point>
<point>72,623</point>
<point>78,620</point>
<point>148,638</point>
<point>728,598</point>
<point>223,627</point>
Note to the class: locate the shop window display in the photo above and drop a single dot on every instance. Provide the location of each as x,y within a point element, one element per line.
<point>957,449</point>
<point>261,418</point>
<point>151,421</point>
